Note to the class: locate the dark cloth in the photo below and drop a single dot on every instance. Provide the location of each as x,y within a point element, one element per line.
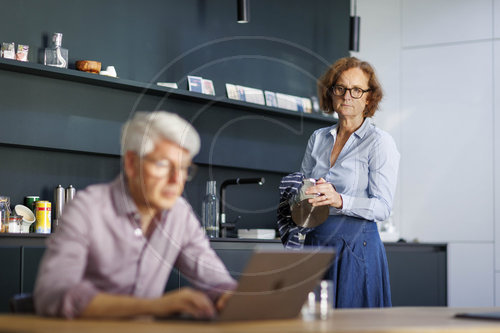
<point>288,230</point>
<point>359,272</point>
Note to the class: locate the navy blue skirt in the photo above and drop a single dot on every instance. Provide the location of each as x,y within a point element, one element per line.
<point>359,272</point>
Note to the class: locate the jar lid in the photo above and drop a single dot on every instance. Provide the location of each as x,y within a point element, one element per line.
<point>57,38</point>
<point>15,218</point>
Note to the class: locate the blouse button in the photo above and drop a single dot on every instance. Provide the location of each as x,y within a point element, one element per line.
<point>364,243</point>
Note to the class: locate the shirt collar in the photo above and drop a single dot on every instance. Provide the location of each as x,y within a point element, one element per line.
<point>360,132</point>
<point>122,199</point>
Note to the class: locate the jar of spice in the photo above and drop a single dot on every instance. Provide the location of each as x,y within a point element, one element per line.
<point>15,223</point>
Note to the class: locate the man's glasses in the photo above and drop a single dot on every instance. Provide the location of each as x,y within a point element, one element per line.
<point>355,92</point>
<point>164,168</point>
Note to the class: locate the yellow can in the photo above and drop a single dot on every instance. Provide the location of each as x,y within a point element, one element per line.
<point>43,217</point>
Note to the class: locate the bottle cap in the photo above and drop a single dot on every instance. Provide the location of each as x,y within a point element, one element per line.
<point>57,38</point>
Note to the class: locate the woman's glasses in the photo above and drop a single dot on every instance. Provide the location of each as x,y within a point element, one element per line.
<point>355,92</point>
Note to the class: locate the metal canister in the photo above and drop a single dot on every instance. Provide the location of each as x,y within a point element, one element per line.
<point>43,216</point>
<point>59,200</point>
<point>70,193</point>
<point>304,214</point>
<point>30,202</point>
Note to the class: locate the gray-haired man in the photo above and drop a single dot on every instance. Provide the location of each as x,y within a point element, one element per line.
<point>118,242</point>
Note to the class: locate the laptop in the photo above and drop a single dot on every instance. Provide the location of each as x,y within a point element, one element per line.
<point>275,284</point>
<point>479,315</point>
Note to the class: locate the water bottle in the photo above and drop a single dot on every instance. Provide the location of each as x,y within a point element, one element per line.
<point>210,210</point>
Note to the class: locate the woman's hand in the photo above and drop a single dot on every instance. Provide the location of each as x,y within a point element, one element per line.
<point>327,194</point>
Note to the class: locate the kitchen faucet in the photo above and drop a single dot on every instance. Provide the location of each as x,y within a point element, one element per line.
<point>236,181</point>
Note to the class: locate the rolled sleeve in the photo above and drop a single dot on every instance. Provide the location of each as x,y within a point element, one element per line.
<point>77,298</point>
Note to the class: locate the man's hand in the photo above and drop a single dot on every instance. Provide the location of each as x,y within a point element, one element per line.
<point>222,301</point>
<point>186,301</point>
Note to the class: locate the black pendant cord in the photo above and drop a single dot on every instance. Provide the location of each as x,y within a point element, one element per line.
<point>243,11</point>
<point>354,31</point>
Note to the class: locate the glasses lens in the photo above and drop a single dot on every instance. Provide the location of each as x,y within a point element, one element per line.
<point>191,172</point>
<point>338,90</point>
<point>164,168</point>
<point>161,168</point>
<point>356,92</point>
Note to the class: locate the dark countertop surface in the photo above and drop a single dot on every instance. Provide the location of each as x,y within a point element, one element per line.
<point>34,239</point>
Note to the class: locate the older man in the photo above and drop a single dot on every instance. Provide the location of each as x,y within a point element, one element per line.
<point>117,243</point>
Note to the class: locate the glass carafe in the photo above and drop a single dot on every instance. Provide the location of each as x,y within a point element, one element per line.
<point>210,210</point>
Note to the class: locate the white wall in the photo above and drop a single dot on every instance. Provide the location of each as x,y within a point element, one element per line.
<point>438,62</point>
<point>496,103</point>
<point>381,19</point>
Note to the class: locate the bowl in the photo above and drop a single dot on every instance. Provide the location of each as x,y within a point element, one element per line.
<point>89,66</point>
<point>28,217</point>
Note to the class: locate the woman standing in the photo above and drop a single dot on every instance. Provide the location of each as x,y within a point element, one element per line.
<point>356,165</point>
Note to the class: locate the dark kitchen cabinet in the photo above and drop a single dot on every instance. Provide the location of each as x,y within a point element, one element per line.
<point>417,271</point>
<point>31,257</point>
<point>10,276</point>
<point>418,274</point>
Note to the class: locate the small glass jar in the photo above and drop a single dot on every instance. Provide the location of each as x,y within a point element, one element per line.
<point>15,223</point>
<point>4,213</point>
<point>55,55</point>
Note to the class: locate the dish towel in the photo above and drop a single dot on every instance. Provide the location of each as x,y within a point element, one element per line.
<point>288,230</point>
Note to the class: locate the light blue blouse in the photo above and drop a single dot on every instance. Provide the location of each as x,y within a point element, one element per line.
<point>364,174</point>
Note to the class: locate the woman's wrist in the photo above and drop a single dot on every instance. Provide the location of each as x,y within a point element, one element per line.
<point>339,202</point>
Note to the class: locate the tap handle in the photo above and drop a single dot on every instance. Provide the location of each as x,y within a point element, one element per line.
<point>224,227</point>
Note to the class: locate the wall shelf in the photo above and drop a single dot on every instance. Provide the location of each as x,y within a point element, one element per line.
<point>77,117</point>
<point>152,89</point>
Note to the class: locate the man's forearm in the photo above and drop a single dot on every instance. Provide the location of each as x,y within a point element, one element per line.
<point>185,300</point>
<point>117,306</point>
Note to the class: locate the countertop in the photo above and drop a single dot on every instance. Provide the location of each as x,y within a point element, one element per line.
<point>399,319</point>
<point>34,239</point>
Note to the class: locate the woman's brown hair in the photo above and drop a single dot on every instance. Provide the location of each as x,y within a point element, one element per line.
<point>328,80</point>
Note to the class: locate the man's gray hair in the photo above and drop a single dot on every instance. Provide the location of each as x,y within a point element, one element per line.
<point>140,133</point>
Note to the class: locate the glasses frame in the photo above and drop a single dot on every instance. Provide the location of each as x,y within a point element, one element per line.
<point>363,91</point>
<point>190,172</point>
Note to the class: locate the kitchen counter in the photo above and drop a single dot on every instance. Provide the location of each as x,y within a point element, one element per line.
<point>420,265</point>
<point>31,239</point>
<point>422,319</point>
<point>34,239</point>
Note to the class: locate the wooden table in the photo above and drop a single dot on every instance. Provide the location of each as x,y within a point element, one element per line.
<point>423,319</point>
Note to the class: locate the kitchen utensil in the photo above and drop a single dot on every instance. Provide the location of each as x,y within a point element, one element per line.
<point>305,214</point>
<point>27,215</point>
